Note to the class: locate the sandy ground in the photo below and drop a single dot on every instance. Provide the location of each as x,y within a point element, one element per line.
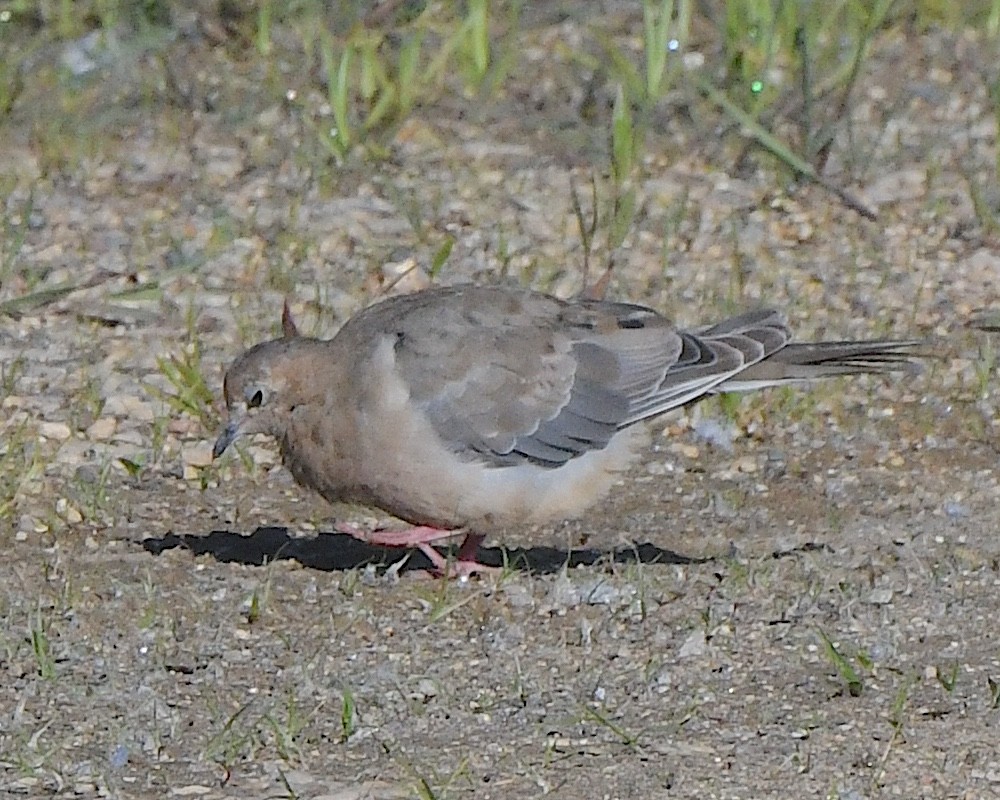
<point>795,595</point>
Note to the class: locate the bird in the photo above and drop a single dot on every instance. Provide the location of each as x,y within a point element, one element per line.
<point>475,409</point>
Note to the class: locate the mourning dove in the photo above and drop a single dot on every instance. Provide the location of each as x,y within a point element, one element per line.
<point>484,409</point>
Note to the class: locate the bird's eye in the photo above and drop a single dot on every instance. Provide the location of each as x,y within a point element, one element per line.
<point>255,399</point>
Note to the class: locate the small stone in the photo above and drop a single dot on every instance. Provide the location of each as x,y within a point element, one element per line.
<point>118,757</point>
<point>561,596</point>
<point>102,429</point>
<point>518,596</point>
<point>68,512</point>
<point>426,689</point>
<point>686,450</point>
<point>661,468</point>
<point>129,407</point>
<point>747,464</point>
<point>58,431</point>
<point>131,437</point>
<point>223,165</point>
<point>880,597</point>
<point>263,457</point>
<point>192,790</point>
<point>197,455</point>
<point>183,426</point>
<point>405,276</point>
<point>985,260</point>
<point>776,464</point>
<point>600,593</point>
<point>896,186</point>
<point>694,645</point>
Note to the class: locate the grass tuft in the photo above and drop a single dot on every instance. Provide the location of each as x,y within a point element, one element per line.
<point>842,665</point>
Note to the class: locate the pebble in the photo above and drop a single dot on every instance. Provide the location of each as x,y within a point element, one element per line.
<point>426,689</point>
<point>663,468</point>
<point>130,407</point>
<point>131,437</point>
<point>880,597</point>
<point>518,596</point>
<point>118,757</point>
<point>223,165</point>
<point>898,185</point>
<point>102,429</point>
<point>263,457</point>
<point>694,645</point>
<point>183,426</point>
<point>87,53</point>
<point>57,431</point>
<point>68,512</point>
<point>191,790</point>
<point>985,260</point>
<point>405,276</point>
<point>197,455</point>
<point>600,592</point>
<point>686,450</point>
<point>28,524</point>
<point>562,595</point>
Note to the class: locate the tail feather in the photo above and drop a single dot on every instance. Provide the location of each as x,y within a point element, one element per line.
<point>795,363</point>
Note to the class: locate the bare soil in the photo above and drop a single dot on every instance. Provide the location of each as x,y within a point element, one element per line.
<point>795,595</point>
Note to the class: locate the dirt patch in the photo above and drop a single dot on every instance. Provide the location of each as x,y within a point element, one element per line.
<point>793,596</point>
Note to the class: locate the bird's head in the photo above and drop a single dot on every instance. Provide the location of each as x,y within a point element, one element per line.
<point>264,386</point>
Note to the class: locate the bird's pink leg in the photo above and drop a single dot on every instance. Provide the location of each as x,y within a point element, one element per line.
<point>421,537</point>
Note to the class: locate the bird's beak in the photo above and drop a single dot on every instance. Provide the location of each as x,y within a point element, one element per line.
<point>229,434</point>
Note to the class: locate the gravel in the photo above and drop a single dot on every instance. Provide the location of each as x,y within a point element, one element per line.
<point>794,596</point>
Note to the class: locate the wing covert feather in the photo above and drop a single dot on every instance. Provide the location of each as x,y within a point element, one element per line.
<point>511,377</point>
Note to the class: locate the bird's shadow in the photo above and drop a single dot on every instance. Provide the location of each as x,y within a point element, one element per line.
<point>340,552</point>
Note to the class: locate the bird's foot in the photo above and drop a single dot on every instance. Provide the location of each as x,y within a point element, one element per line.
<point>420,537</point>
<point>464,564</point>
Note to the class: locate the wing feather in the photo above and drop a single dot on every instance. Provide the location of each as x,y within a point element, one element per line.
<point>511,377</point>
